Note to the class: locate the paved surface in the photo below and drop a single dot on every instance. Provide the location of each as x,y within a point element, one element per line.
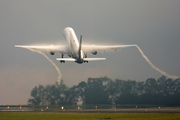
<point>128,110</point>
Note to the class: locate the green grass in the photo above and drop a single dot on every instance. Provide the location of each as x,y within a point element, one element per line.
<point>87,116</point>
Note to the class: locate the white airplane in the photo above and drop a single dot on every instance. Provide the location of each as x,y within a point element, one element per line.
<point>74,48</point>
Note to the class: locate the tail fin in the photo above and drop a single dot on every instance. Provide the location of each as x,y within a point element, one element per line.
<point>80,42</point>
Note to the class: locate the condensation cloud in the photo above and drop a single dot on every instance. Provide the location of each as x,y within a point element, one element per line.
<point>143,55</point>
<point>57,69</point>
<point>154,67</point>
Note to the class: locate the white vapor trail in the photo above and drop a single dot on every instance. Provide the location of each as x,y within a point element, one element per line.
<point>154,67</point>
<point>144,56</point>
<point>57,69</point>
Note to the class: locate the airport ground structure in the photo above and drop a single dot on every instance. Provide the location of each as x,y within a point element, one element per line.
<point>90,109</point>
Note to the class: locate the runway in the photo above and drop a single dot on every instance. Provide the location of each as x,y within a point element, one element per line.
<point>126,110</point>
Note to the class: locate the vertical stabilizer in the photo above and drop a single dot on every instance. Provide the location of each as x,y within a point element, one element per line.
<point>80,42</point>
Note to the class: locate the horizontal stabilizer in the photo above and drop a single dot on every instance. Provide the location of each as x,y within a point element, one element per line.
<point>85,59</point>
<point>93,59</point>
<point>66,59</point>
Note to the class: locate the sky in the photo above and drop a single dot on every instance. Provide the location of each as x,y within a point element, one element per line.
<point>154,25</point>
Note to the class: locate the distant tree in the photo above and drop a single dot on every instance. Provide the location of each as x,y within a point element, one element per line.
<point>128,92</point>
<point>38,95</point>
<point>150,86</point>
<point>71,96</point>
<point>54,95</point>
<point>81,91</point>
<point>95,92</point>
<point>163,91</point>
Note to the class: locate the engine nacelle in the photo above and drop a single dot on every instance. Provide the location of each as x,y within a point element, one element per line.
<point>52,53</point>
<point>94,53</point>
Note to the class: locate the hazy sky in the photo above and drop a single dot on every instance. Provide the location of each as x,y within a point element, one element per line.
<point>154,25</point>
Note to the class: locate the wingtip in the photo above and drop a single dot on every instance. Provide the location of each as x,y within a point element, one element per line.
<point>18,46</point>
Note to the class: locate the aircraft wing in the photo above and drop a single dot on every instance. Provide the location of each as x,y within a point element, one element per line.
<point>92,48</point>
<point>51,48</point>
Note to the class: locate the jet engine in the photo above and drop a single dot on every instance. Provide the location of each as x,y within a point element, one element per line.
<point>94,53</point>
<point>52,53</point>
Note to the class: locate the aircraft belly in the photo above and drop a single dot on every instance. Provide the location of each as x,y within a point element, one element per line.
<point>74,49</point>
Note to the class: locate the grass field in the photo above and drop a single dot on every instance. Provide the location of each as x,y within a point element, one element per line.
<point>87,116</point>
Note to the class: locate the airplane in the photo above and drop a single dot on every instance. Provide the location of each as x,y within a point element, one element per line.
<point>74,48</point>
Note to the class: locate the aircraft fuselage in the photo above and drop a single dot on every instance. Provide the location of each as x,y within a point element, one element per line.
<point>73,45</point>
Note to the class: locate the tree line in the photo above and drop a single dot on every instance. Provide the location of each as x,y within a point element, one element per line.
<point>105,91</point>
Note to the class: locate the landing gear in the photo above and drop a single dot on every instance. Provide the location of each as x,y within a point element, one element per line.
<point>85,55</point>
<point>62,61</point>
